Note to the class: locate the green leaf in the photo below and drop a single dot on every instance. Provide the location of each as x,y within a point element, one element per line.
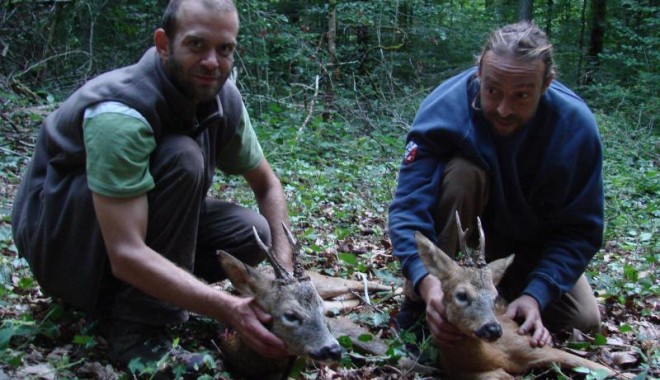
<point>345,341</point>
<point>86,341</point>
<point>16,360</point>
<point>365,338</point>
<point>25,283</point>
<point>136,366</point>
<point>600,340</point>
<point>5,336</point>
<point>297,368</point>
<point>625,328</point>
<point>348,258</point>
<point>583,370</point>
<point>630,273</point>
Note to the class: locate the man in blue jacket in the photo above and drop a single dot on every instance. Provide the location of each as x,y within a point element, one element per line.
<point>505,142</point>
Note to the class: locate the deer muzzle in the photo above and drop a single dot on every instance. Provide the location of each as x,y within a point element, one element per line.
<point>329,352</point>
<point>491,331</point>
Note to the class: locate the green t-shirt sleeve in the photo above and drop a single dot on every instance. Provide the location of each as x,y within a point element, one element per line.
<point>118,148</point>
<point>243,152</point>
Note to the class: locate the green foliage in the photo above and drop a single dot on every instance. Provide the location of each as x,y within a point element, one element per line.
<point>631,167</point>
<point>337,151</point>
<point>338,184</point>
<point>600,374</point>
<point>634,40</point>
<point>150,369</point>
<point>626,79</point>
<point>26,328</point>
<point>57,45</point>
<point>336,175</point>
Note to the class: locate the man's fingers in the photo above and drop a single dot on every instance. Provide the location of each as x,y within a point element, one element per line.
<point>265,343</point>
<point>542,336</point>
<point>249,321</point>
<point>510,312</point>
<point>264,317</point>
<point>443,332</point>
<point>525,327</point>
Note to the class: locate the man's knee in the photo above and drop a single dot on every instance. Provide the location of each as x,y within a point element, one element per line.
<point>261,226</point>
<point>576,309</point>
<point>245,246</point>
<point>254,254</point>
<point>178,158</point>
<point>464,189</point>
<point>590,323</point>
<point>588,312</point>
<point>585,320</point>
<point>462,177</point>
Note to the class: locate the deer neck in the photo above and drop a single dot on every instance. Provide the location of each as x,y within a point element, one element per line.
<point>245,362</point>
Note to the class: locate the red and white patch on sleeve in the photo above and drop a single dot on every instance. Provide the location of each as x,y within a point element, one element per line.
<point>411,153</point>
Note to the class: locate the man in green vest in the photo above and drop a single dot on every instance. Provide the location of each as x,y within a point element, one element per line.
<point>112,213</point>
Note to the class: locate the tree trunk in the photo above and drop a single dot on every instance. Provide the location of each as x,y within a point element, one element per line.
<point>582,77</point>
<point>333,67</point>
<point>526,10</point>
<point>595,41</point>
<point>404,14</point>
<point>54,22</point>
<point>332,37</point>
<point>598,15</point>
<point>548,21</point>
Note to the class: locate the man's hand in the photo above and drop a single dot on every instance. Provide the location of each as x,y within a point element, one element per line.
<point>444,332</point>
<point>248,320</point>
<point>526,307</point>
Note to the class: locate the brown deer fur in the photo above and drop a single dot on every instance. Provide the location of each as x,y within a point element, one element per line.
<point>492,348</point>
<point>298,318</point>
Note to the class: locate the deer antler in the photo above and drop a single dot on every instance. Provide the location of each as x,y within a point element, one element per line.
<point>479,258</point>
<point>280,271</point>
<point>480,255</point>
<point>462,244</point>
<point>298,270</point>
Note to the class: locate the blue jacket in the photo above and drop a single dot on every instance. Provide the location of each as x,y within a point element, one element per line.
<point>546,187</point>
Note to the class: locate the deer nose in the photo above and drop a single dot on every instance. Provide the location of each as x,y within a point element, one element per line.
<point>490,331</point>
<point>329,352</point>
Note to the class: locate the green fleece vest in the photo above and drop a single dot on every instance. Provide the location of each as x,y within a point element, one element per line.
<point>53,219</point>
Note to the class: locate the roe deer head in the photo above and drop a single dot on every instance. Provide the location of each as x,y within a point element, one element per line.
<point>492,348</point>
<point>296,308</point>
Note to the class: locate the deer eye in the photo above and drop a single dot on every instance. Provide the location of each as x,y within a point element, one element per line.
<point>290,317</point>
<point>462,297</point>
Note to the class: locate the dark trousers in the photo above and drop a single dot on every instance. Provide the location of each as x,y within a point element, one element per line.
<point>187,228</point>
<point>465,188</point>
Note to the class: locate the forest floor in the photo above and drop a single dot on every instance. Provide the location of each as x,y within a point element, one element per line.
<point>40,338</point>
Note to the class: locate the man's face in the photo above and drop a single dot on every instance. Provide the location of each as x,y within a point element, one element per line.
<point>200,56</point>
<point>510,91</point>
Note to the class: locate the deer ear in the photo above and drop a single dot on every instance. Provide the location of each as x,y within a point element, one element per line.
<point>246,279</point>
<point>435,260</point>
<point>498,267</point>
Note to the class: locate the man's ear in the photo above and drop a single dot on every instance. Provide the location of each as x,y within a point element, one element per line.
<point>547,81</point>
<point>162,42</point>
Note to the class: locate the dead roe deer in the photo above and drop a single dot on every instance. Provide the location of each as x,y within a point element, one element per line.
<point>297,311</point>
<point>492,349</point>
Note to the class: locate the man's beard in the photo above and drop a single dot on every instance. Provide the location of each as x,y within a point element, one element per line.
<point>185,81</point>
